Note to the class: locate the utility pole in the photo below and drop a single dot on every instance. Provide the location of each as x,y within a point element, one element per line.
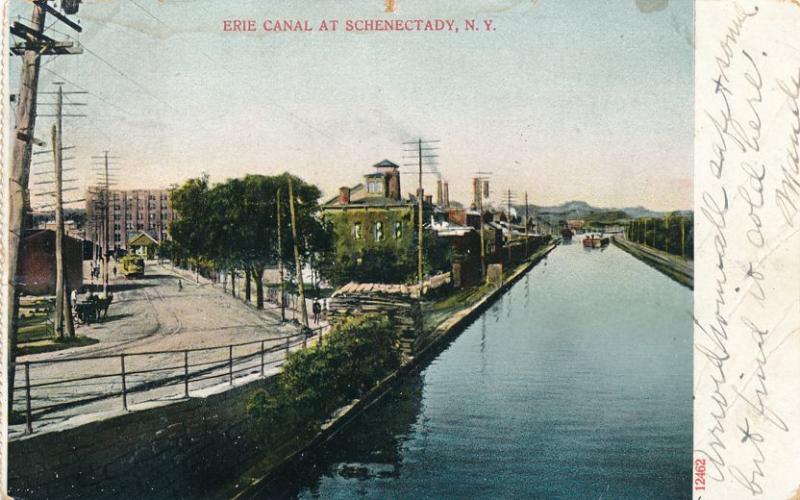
<point>420,196</point>
<point>105,211</point>
<point>34,45</point>
<point>298,269</point>
<point>483,243</point>
<point>280,260</point>
<point>510,233</point>
<point>63,321</point>
<point>509,198</point>
<point>63,315</point>
<point>420,206</point>
<point>526,224</point>
<point>106,224</point>
<point>478,187</point>
<point>56,133</point>
<point>18,199</point>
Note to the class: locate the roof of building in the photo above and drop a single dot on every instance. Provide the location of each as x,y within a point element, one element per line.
<point>386,163</point>
<point>141,238</point>
<point>369,201</point>
<point>448,228</point>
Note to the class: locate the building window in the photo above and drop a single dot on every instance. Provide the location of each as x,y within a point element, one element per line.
<point>139,227</point>
<point>117,237</point>
<point>375,187</point>
<point>357,231</point>
<point>116,227</point>
<point>398,230</point>
<point>377,231</point>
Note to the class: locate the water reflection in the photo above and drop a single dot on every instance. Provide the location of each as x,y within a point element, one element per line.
<point>576,384</point>
<point>374,454</point>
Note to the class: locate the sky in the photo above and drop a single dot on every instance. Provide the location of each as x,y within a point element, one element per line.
<point>580,100</point>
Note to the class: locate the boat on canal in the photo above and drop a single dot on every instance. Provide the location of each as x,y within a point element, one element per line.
<point>596,241</point>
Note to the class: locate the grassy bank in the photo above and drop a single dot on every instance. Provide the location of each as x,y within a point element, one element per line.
<point>36,332</point>
<point>438,312</point>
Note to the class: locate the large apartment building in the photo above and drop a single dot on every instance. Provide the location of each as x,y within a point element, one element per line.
<point>130,213</point>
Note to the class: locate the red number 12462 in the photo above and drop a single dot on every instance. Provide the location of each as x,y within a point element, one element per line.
<point>700,474</point>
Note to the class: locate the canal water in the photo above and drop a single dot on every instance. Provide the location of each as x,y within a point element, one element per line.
<point>575,384</point>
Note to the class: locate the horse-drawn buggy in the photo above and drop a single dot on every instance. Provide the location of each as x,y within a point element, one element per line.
<point>93,308</point>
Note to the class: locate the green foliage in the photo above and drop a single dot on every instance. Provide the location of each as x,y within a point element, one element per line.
<point>314,382</point>
<point>672,234</point>
<point>437,254</point>
<point>187,231</point>
<point>234,224</point>
<point>392,259</point>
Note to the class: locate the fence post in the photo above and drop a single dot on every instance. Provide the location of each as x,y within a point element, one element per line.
<point>124,387</point>
<point>28,418</point>
<point>230,363</point>
<point>262,358</point>
<point>186,373</point>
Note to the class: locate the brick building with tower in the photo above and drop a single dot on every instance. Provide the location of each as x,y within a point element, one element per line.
<point>373,220</point>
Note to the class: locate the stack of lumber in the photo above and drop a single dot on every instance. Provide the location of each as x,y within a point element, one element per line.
<point>402,309</point>
<point>432,283</point>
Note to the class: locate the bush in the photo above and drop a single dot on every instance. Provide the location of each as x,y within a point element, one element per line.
<point>314,382</point>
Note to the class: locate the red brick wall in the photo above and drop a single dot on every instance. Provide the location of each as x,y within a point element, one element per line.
<point>37,272</point>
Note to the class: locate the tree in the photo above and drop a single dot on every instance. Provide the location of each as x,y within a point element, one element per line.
<point>234,224</point>
<point>191,202</point>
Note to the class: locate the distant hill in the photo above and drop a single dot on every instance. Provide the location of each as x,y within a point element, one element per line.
<point>577,209</point>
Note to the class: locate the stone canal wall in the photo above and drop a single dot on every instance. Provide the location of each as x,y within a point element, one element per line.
<point>673,266</point>
<point>169,450</point>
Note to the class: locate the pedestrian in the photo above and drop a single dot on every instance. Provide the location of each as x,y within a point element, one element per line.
<point>317,308</point>
<point>115,271</point>
<point>180,285</point>
<point>73,297</point>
